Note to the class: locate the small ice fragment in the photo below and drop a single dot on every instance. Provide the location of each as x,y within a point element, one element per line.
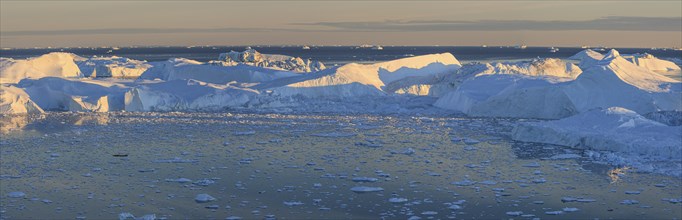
<point>365,189</point>
<point>570,209</point>
<point>464,183</point>
<point>430,213</point>
<point>633,192</point>
<point>554,212</point>
<point>532,164</point>
<point>212,207</point>
<point>128,216</point>
<point>405,151</point>
<point>471,141</point>
<point>488,182</point>
<point>629,202</point>
<point>204,198</point>
<point>364,179</point>
<point>16,194</point>
<point>204,182</point>
<point>293,203</point>
<point>397,200</point>
<point>515,213</point>
<point>179,180</point>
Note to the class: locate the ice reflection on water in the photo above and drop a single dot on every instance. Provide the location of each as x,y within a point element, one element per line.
<point>288,166</point>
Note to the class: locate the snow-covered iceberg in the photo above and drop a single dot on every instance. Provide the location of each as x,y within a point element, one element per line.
<point>186,95</point>
<point>275,61</point>
<point>60,94</point>
<point>14,100</point>
<point>116,67</point>
<point>613,129</point>
<point>355,80</point>
<point>174,69</point>
<point>612,81</point>
<point>554,68</point>
<point>647,61</point>
<point>48,65</point>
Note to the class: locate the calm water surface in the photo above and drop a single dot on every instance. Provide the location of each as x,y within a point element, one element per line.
<point>256,166</point>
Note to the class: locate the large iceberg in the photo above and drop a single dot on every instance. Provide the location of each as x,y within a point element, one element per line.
<point>14,100</point>
<point>275,61</point>
<point>116,67</point>
<point>647,61</point>
<point>60,94</point>
<point>174,69</point>
<point>549,67</point>
<point>186,95</point>
<point>613,129</point>
<point>612,81</point>
<point>48,65</point>
<point>355,80</point>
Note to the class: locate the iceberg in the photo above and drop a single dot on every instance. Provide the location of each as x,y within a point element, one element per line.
<point>647,61</point>
<point>274,61</point>
<point>174,69</point>
<point>116,67</point>
<point>357,80</point>
<point>52,93</point>
<point>613,129</point>
<point>612,81</point>
<point>14,100</point>
<point>556,68</point>
<point>186,95</point>
<point>48,65</point>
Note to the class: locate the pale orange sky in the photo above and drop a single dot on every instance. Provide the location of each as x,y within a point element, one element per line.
<point>552,23</point>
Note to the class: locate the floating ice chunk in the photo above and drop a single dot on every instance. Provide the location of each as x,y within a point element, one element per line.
<point>293,203</point>
<point>365,189</point>
<point>554,212</point>
<point>430,213</point>
<point>540,180</point>
<point>488,182</point>
<point>629,202</point>
<point>633,192</point>
<point>570,209</point>
<point>365,179</point>
<point>204,182</point>
<point>464,183</point>
<point>16,194</point>
<point>397,200</point>
<point>204,198</point>
<point>515,213</point>
<point>405,151</point>
<point>532,164</point>
<point>212,207</point>
<point>179,180</point>
<point>471,141</point>
<point>128,216</point>
<point>455,207</point>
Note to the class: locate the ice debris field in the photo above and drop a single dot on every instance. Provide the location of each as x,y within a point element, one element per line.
<point>254,135</point>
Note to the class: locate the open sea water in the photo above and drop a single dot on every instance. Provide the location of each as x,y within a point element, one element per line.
<point>331,55</point>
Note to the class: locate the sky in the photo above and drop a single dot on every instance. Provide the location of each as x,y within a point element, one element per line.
<point>613,23</point>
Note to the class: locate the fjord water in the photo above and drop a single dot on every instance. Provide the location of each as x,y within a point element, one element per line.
<point>96,166</point>
<point>331,55</point>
